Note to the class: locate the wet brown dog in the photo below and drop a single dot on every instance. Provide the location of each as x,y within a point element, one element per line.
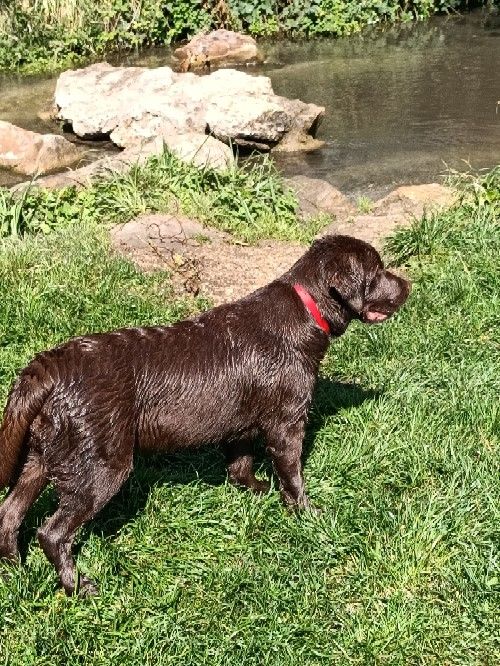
<point>76,412</point>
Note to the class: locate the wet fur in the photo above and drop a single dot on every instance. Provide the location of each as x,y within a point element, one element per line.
<point>77,412</point>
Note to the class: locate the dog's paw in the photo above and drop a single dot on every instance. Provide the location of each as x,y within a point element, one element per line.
<point>313,510</point>
<point>9,551</point>
<point>87,587</point>
<point>301,505</point>
<point>261,487</point>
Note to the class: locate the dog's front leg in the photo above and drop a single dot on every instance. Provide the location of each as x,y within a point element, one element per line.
<point>284,445</point>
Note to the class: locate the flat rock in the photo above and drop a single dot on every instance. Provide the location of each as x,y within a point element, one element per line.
<point>165,231</point>
<point>319,196</point>
<point>415,200</point>
<point>218,48</point>
<point>30,153</point>
<point>129,104</point>
<point>202,260</point>
<point>399,208</point>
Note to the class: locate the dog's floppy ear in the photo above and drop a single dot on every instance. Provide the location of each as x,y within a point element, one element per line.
<point>347,285</point>
<point>344,270</point>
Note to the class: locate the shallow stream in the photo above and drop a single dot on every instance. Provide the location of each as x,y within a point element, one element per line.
<point>402,104</point>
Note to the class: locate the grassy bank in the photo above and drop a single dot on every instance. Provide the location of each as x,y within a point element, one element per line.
<point>249,201</point>
<point>48,34</point>
<point>402,567</point>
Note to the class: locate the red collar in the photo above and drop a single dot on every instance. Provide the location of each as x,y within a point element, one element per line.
<point>308,301</point>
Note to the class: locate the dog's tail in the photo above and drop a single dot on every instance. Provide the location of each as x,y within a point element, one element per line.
<point>25,400</point>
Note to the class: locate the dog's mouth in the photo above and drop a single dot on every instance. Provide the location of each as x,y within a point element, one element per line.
<point>374,316</point>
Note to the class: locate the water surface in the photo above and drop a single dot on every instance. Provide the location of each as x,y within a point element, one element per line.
<point>402,104</point>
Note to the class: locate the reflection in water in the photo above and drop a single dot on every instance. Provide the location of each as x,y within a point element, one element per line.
<point>400,103</point>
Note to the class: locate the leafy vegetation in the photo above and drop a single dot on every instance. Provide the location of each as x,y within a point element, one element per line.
<point>45,34</point>
<point>402,453</point>
<point>327,17</point>
<point>248,201</point>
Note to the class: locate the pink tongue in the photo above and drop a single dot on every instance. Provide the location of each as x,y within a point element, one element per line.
<point>374,316</point>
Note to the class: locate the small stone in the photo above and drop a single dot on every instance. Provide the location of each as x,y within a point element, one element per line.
<point>319,196</point>
<point>217,49</point>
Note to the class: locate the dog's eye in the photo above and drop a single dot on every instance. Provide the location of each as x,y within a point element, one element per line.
<point>370,284</point>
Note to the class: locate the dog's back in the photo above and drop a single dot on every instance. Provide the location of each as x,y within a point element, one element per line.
<point>76,412</point>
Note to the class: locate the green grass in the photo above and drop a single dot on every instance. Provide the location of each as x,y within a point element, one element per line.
<point>402,566</point>
<point>364,205</point>
<point>248,201</point>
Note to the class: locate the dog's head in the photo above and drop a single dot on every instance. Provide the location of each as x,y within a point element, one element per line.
<point>350,275</point>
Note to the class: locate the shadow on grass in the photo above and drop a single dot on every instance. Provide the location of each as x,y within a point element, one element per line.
<point>206,466</point>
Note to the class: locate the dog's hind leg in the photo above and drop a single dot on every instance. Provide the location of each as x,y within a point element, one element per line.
<point>239,462</point>
<point>29,485</point>
<point>77,505</point>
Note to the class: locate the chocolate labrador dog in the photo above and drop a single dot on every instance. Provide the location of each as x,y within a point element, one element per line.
<point>76,413</point>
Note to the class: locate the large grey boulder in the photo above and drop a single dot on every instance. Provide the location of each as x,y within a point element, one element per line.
<point>130,104</point>
<point>30,153</point>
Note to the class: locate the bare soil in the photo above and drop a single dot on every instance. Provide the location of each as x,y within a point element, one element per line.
<point>203,261</point>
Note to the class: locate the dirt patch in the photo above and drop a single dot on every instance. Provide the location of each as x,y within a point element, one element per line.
<point>211,263</point>
<point>201,260</point>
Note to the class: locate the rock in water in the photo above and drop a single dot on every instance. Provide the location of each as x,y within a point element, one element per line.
<point>218,48</point>
<point>30,153</point>
<point>136,104</point>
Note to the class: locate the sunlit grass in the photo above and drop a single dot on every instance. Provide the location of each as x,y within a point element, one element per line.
<point>249,201</point>
<point>402,453</point>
